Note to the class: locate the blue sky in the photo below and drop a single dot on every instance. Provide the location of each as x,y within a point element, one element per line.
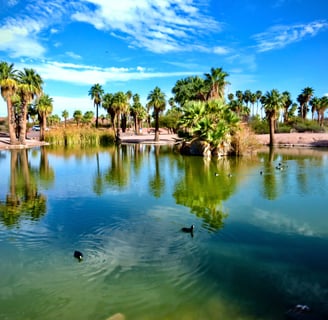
<point>139,44</point>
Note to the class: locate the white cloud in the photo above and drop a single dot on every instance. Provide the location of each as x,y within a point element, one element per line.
<point>17,38</point>
<point>158,25</point>
<point>221,50</point>
<point>280,36</point>
<point>73,55</point>
<point>88,75</point>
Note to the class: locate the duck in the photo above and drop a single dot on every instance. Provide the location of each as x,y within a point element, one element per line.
<point>188,230</point>
<point>78,255</point>
<point>216,174</point>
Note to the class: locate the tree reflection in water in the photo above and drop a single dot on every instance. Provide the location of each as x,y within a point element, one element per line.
<point>23,199</point>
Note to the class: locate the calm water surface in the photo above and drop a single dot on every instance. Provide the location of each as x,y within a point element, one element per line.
<point>260,243</point>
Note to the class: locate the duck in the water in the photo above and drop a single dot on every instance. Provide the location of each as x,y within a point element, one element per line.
<point>78,255</point>
<point>189,230</point>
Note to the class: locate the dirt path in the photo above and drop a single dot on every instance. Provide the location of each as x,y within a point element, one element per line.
<point>296,139</point>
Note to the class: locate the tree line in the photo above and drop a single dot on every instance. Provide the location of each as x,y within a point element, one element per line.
<point>198,106</point>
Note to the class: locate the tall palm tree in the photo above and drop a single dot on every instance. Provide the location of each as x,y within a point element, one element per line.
<point>30,86</point>
<point>8,86</point>
<point>125,112</point>
<point>323,106</point>
<point>272,102</point>
<point>315,104</point>
<point>258,97</point>
<point>247,97</point>
<point>216,83</point>
<point>108,106</point>
<point>44,106</point>
<point>119,105</point>
<point>96,92</point>
<point>252,100</point>
<point>304,99</point>
<point>137,111</point>
<point>156,100</point>
<point>240,96</point>
<point>287,103</point>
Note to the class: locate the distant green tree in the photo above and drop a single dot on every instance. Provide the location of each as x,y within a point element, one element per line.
<point>88,117</point>
<point>77,115</point>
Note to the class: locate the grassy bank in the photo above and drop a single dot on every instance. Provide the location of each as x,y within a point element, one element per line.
<point>82,137</point>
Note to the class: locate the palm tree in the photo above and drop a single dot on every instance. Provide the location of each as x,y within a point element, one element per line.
<point>258,97</point>
<point>272,102</point>
<point>231,96</point>
<point>240,96</point>
<point>156,100</point>
<point>212,121</point>
<point>136,111</point>
<point>119,105</point>
<point>96,92</point>
<point>323,106</point>
<point>304,99</point>
<point>315,104</point>
<point>65,115</point>
<point>125,112</point>
<point>108,106</point>
<point>252,101</point>
<point>287,103</point>
<point>8,86</point>
<point>29,87</point>
<point>247,97</point>
<point>44,106</point>
<point>216,83</point>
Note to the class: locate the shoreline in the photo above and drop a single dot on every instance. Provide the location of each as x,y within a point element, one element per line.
<point>288,140</point>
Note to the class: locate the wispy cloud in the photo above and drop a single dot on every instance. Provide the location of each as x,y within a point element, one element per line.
<point>19,35</point>
<point>159,26</point>
<point>280,36</point>
<point>88,75</point>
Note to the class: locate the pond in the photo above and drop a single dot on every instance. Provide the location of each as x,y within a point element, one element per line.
<point>259,245</point>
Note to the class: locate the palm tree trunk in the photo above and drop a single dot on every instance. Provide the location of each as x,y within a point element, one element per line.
<point>118,135</point>
<point>271,126</point>
<point>97,115</point>
<point>11,122</point>
<point>43,127</point>
<point>156,126</point>
<point>22,124</point>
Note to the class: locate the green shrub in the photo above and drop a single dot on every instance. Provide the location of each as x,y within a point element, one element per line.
<point>307,126</point>
<point>259,126</point>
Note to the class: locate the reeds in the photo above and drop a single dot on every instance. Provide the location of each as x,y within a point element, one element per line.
<point>82,137</point>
